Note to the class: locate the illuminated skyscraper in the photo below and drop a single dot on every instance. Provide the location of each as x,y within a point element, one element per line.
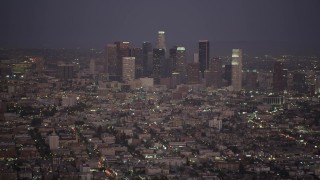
<point>236,80</point>
<point>161,43</point>
<point>204,56</point>
<point>158,57</point>
<point>181,63</point>
<point>111,65</point>
<point>128,69</point>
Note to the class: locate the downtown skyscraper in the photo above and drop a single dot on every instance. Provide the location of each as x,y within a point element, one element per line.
<point>204,56</point>
<point>158,58</point>
<point>161,41</point>
<point>138,55</point>
<point>181,63</point>
<point>128,69</point>
<point>147,58</point>
<point>236,79</point>
<point>123,50</point>
<point>113,55</point>
<point>111,64</point>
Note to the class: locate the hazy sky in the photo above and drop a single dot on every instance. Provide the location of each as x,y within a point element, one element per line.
<point>255,25</point>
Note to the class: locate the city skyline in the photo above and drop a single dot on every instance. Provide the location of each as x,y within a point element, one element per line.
<point>260,28</point>
<point>145,89</point>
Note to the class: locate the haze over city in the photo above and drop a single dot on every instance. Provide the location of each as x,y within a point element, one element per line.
<point>263,27</point>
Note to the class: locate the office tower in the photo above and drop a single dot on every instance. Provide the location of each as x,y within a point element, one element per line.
<point>173,58</point>
<point>137,53</point>
<point>161,43</point>
<point>146,51</point>
<point>111,62</point>
<point>236,63</point>
<point>251,80</point>
<point>215,67</point>
<point>128,69</point>
<point>158,57</point>
<point>299,82</point>
<point>66,71</point>
<point>204,56</point>
<point>279,77</point>
<point>53,141</point>
<point>228,74</point>
<point>123,50</point>
<point>181,63</point>
<point>193,75</point>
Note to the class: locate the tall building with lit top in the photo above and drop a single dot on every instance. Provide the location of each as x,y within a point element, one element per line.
<point>128,69</point>
<point>181,63</point>
<point>204,56</point>
<point>236,79</point>
<point>161,43</point>
<point>158,57</point>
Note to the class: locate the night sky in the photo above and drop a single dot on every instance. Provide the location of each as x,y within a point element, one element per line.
<point>270,26</point>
